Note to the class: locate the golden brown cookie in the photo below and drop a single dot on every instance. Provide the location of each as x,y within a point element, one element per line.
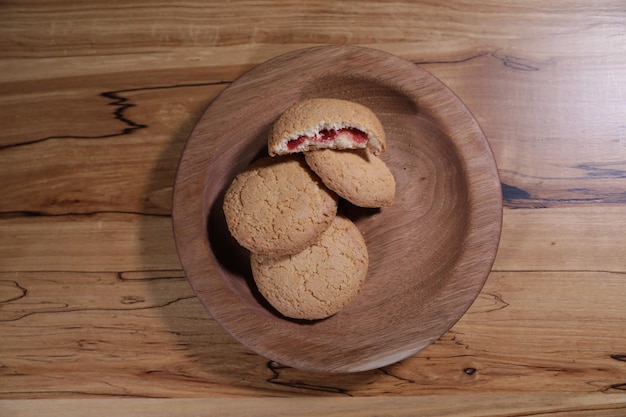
<point>319,281</point>
<point>321,123</point>
<point>356,175</point>
<point>278,206</point>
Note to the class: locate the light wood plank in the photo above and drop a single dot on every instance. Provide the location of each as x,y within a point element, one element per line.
<point>107,38</point>
<point>101,242</point>
<point>144,129</point>
<point>558,133</point>
<point>127,164</point>
<point>146,335</point>
<point>494,405</point>
<point>95,106</point>
<point>591,238</point>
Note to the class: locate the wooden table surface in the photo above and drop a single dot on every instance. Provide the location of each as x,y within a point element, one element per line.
<point>97,100</point>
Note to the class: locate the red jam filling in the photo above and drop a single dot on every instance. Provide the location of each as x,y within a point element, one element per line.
<point>329,135</point>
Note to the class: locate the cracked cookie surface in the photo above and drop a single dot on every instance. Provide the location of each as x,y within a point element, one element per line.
<point>319,281</point>
<point>278,206</point>
<point>356,175</point>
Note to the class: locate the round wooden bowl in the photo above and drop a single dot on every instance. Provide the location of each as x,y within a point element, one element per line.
<point>430,253</point>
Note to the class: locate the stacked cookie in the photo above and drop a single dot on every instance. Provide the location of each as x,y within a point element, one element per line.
<point>308,261</point>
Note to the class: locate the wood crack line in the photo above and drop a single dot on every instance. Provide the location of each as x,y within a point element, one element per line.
<point>28,213</point>
<point>74,310</point>
<point>121,104</point>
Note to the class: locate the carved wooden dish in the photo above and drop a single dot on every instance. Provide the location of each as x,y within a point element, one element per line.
<point>430,253</point>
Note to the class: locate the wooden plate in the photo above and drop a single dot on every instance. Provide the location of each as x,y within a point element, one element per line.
<point>430,253</point>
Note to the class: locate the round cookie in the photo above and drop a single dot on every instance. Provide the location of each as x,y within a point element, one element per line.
<point>321,123</point>
<point>356,175</point>
<point>319,281</point>
<point>278,206</point>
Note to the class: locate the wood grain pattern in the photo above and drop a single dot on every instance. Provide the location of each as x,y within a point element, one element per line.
<point>96,104</point>
<point>152,338</point>
<point>429,406</point>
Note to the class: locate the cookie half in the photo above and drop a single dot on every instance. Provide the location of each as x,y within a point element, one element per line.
<point>356,175</point>
<point>319,281</point>
<point>321,123</point>
<point>278,206</point>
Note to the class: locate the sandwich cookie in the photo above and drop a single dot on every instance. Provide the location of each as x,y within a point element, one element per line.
<point>322,123</point>
<point>318,281</point>
<point>278,206</point>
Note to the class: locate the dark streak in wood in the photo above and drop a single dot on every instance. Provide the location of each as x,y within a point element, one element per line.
<point>175,375</point>
<point>18,214</point>
<point>64,394</point>
<point>275,368</point>
<point>508,61</point>
<point>510,192</point>
<point>497,303</point>
<point>604,170</point>
<point>400,378</point>
<point>132,299</point>
<point>74,310</point>
<point>619,357</point>
<point>121,104</point>
<point>157,276</point>
<point>23,292</point>
<point>21,214</point>
<point>515,197</point>
<point>515,63</point>
<point>618,387</point>
<point>585,409</point>
<point>453,61</point>
<point>456,340</point>
<point>546,203</point>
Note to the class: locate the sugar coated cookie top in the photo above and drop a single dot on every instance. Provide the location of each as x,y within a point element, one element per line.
<point>356,175</point>
<point>278,206</point>
<point>319,281</point>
